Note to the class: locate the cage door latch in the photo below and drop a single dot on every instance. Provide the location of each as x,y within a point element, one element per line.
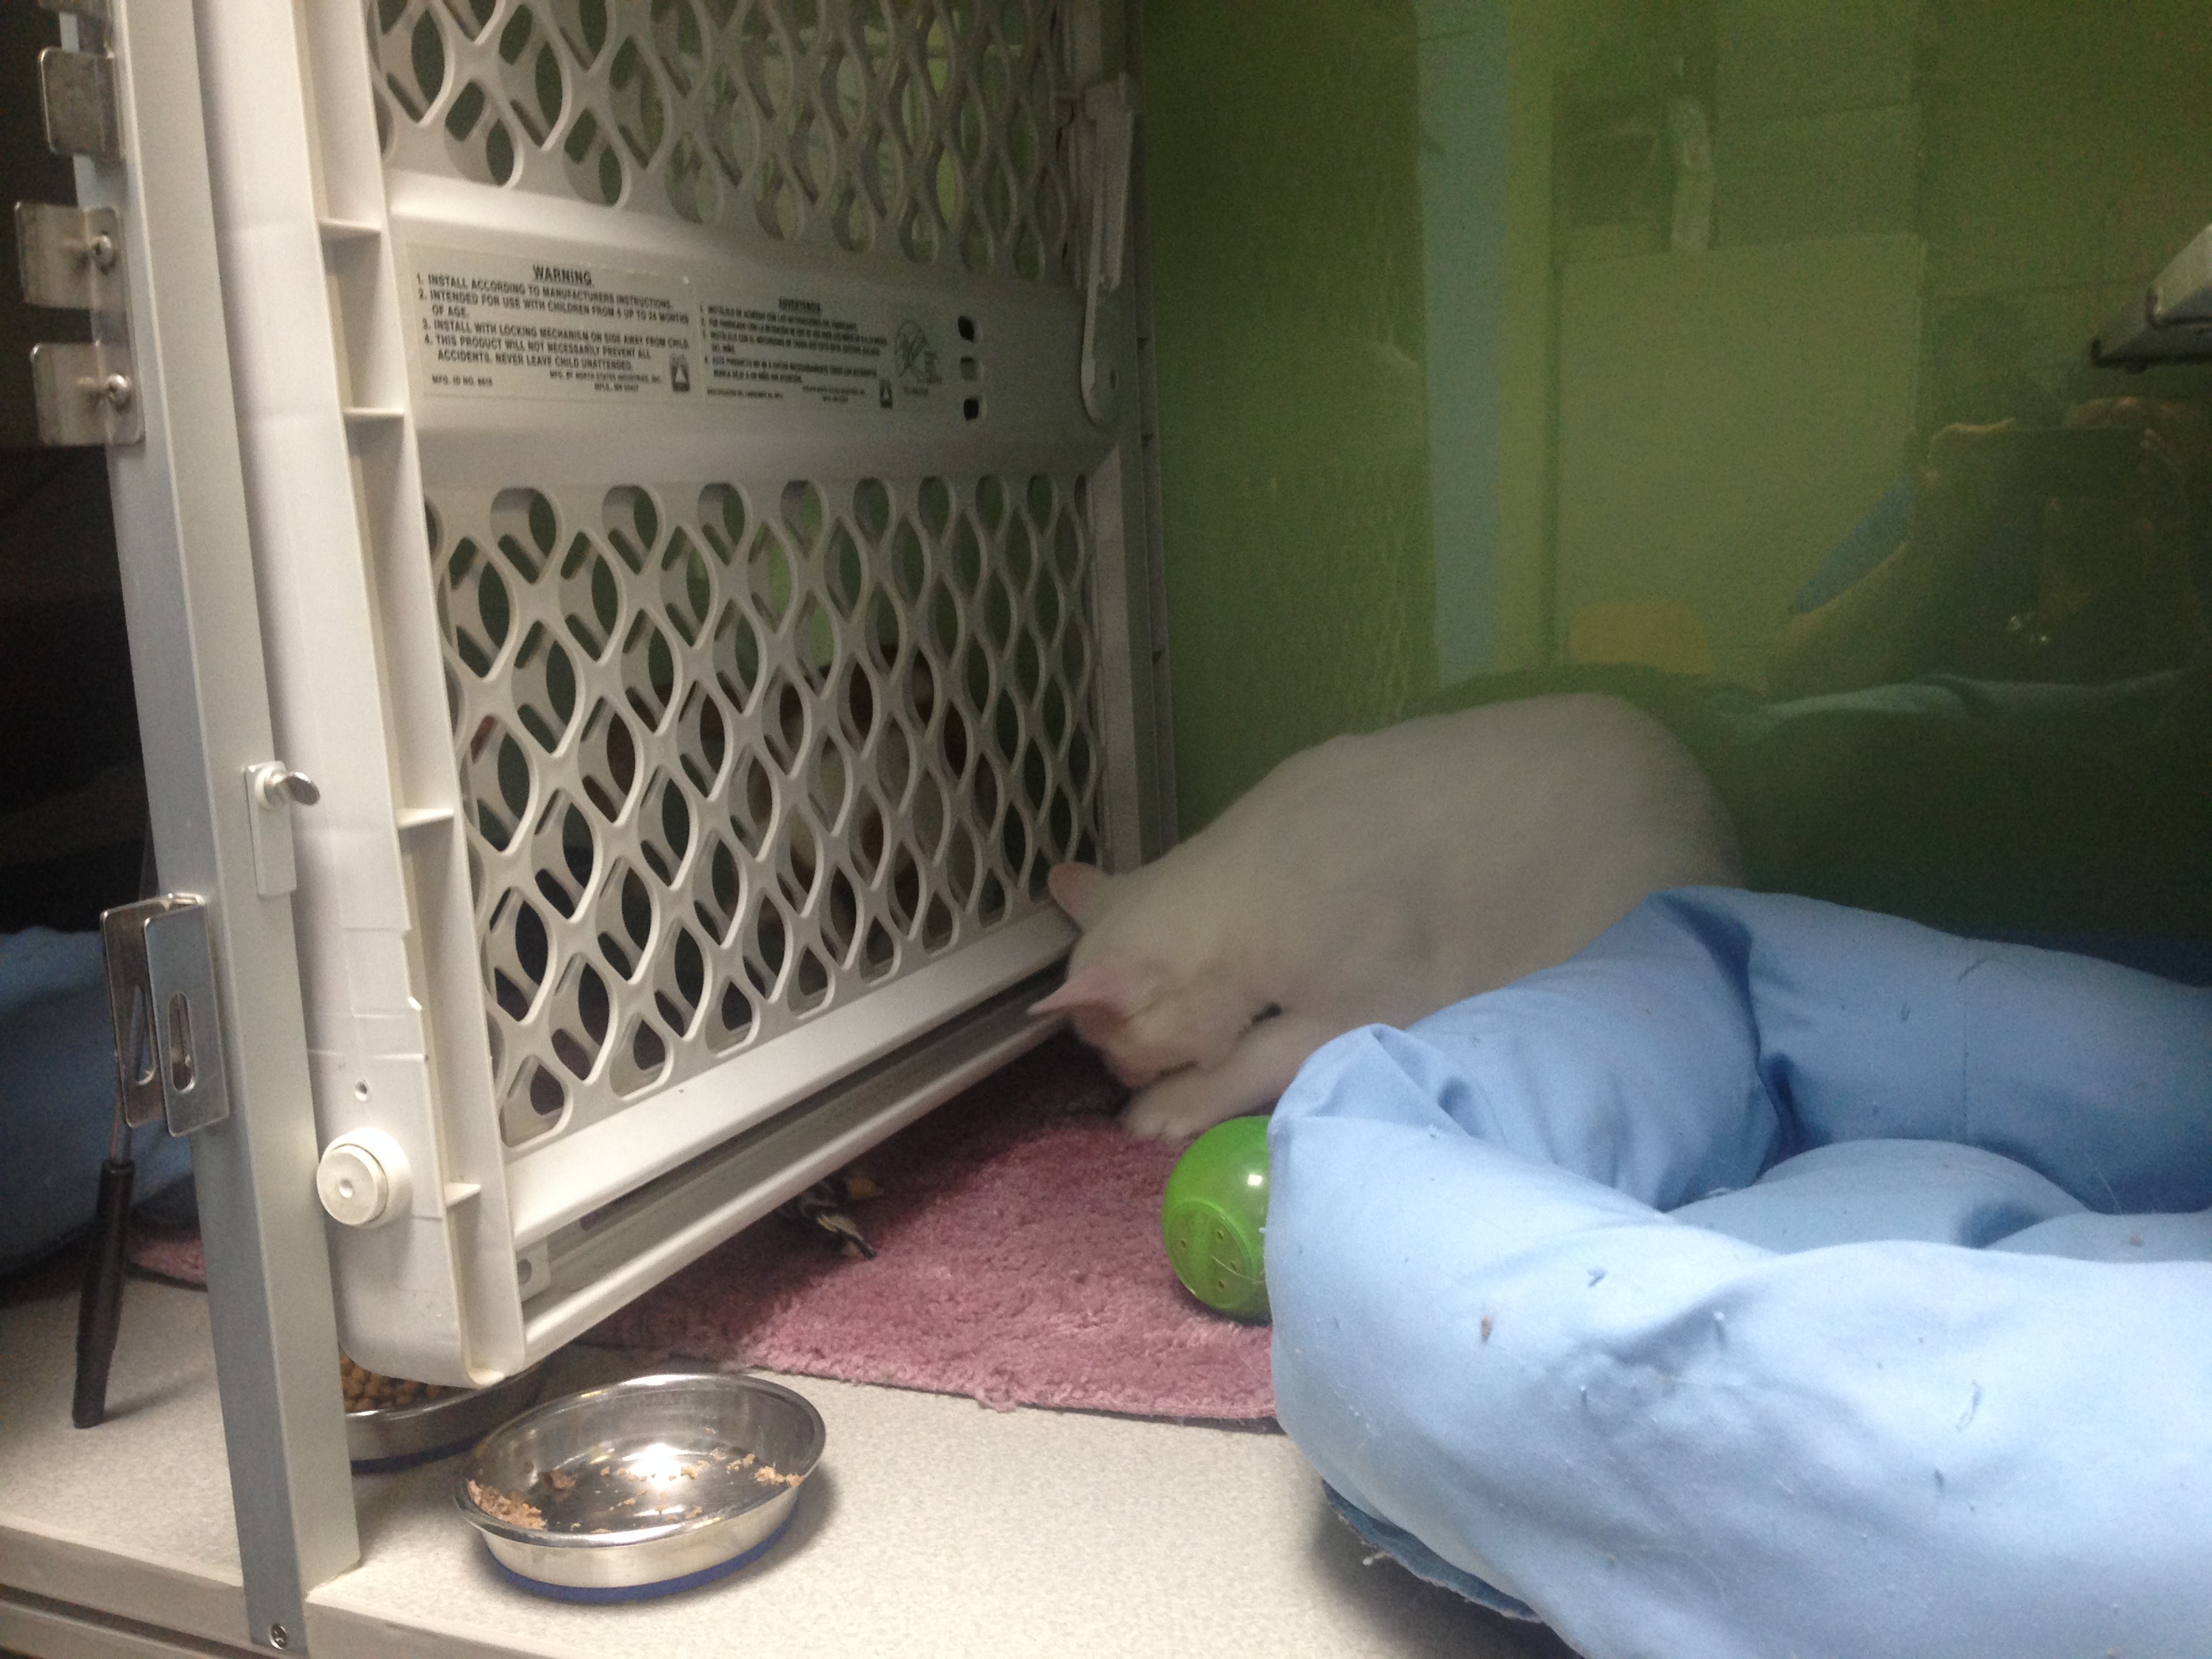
<point>160,997</point>
<point>1111,108</point>
<point>272,790</point>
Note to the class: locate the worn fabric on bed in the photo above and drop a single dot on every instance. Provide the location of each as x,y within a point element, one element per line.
<point>1804,1413</point>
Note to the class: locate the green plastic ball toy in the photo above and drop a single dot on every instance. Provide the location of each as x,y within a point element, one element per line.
<point>1212,1215</point>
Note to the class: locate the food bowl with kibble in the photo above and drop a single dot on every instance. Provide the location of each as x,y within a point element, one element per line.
<point>394,1425</point>
<point>643,1488</point>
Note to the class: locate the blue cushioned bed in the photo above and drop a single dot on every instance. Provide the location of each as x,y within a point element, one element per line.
<point>1773,1278</point>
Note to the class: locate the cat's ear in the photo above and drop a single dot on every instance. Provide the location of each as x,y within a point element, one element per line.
<point>1076,888</point>
<point>1102,993</point>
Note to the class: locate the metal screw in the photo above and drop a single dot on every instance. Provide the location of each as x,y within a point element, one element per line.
<point>279,1638</point>
<point>100,250</point>
<point>119,391</point>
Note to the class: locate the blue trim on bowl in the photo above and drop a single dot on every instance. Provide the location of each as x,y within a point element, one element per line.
<point>410,1459</point>
<point>596,1593</point>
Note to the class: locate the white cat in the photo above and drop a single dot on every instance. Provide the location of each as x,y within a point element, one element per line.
<point>1375,879</point>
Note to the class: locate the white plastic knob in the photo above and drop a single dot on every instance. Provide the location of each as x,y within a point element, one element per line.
<point>363,1179</point>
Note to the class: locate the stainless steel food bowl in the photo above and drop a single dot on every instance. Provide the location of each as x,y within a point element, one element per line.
<point>399,1436</point>
<point>643,1488</point>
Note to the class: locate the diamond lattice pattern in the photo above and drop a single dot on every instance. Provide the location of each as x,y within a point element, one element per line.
<point>735,754</point>
<point>925,130</point>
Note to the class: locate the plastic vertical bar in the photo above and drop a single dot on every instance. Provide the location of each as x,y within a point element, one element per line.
<point>1139,813</point>
<point>196,652</point>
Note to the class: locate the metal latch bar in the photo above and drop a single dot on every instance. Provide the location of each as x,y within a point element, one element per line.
<point>161,999</point>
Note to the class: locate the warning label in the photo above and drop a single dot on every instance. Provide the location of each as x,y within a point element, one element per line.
<point>502,325</point>
<point>794,347</point>
<point>524,328</point>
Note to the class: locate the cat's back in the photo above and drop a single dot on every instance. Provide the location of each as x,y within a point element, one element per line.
<point>1381,875</point>
<point>1448,854</point>
<point>1480,770</point>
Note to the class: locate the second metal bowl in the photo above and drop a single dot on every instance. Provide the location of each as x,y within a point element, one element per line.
<point>643,1488</point>
<point>400,1436</point>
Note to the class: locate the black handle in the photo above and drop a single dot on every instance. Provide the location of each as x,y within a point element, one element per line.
<point>102,1308</point>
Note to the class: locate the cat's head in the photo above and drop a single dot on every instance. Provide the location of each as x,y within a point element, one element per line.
<point>1140,988</point>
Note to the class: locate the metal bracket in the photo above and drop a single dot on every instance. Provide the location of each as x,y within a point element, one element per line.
<point>77,91</point>
<point>74,258</point>
<point>161,998</point>
<point>1111,108</point>
<point>87,394</point>
<point>71,257</point>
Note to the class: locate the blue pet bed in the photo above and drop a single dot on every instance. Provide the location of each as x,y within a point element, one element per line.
<point>1773,1278</point>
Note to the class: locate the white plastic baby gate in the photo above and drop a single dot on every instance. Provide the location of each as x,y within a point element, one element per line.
<point>693,579</point>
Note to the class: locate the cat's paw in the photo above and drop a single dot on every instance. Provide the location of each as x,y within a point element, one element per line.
<point>1178,1106</point>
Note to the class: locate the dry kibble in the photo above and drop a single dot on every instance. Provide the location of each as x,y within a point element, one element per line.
<point>507,1506</point>
<point>366,1391</point>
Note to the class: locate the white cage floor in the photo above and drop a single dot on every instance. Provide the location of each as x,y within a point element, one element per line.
<point>933,1526</point>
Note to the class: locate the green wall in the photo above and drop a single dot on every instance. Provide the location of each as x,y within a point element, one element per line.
<point>2069,156</point>
<point>1287,300</point>
<point>2048,156</point>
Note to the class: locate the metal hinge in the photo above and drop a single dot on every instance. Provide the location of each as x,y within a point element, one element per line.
<point>85,11</point>
<point>76,85</point>
<point>168,1029</point>
<point>77,93</point>
<point>73,258</point>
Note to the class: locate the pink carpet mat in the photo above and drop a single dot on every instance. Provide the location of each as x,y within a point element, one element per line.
<point>172,1253</point>
<point>1019,1262</point>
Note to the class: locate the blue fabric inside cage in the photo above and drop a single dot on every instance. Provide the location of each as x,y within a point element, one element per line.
<point>1771,1277</point>
<point>58,1097</point>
